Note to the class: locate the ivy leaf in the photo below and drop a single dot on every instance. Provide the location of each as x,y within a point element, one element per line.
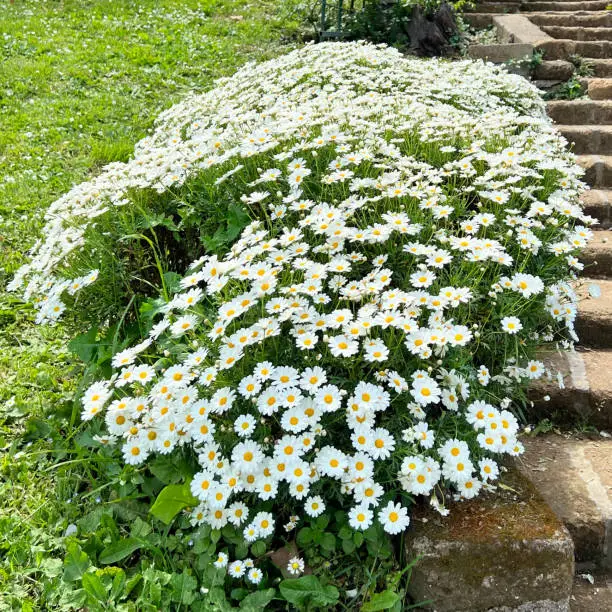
<point>381,601</point>
<point>171,500</point>
<point>308,590</point>
<point>119,550</point>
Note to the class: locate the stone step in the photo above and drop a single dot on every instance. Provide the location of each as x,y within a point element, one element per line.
<point>597,257</point>
<point>586,396</point>
<point>590,5</point>
<point>478,20</point>
<point>562,48</point>
<point>598,88</point>
<point>587,597</point>
<point>578,32</point>
<point>497,7</point>
<point>588,139</point>
<point>594,321</point>
<point>573,476</point>
<point>504,551</point>
<point>554,70</point>
<point>598,203</point>
<point>601,67</point>
<point>598,170</point>
<point>580,112</point>
<point>581,18</point>
<point>600,49</point>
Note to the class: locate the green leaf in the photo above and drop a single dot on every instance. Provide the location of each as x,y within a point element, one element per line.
<point>258,548</point>
<point>328,542</point>
<point>118,584</point>
<point>348,546</point>
<point>75,563</point>
<point>94,587</point>
<point>304,536</point>
<point>322,522</point>
<point>257,601</point>
<point>381,601</point>
<point>164,468</point>
<point>91,521</point>
<point>183,587</point>
<point>36,428</point>
<point>173,281</point>
<point>119,550</point>
<point>84,346</point>
<point>171,500</point>
<point>132,583</point>
<point>140,529</point>
<point>237,219</point>
<point>308,589</point>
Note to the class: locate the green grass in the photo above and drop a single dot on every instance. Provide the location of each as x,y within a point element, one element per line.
<point>80,82</point>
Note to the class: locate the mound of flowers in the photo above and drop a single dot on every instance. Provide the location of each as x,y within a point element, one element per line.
<point>367,337</point>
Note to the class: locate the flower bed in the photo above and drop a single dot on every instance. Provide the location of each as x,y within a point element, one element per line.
<point>395,240</point>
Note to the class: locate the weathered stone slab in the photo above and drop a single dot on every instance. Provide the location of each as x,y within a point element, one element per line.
<point>499,54</point>
<point>518,29</point>
<point>598,170</point>
<point>555,49</point>
<point>597,257</point>
<point>585,19</point>
<point>575,477</point>
<point>598,204</point>
<point>555,70</point>
<point>599,89</point>
<point>587,597</point>
<point>586,395</point>
<point>506,551</point>
<point>601,67</point>
<point>594,322</point>
<point>580,112</point>
<point>588,139</point>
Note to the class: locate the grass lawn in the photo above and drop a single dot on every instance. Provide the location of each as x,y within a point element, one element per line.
<point>80,82</point>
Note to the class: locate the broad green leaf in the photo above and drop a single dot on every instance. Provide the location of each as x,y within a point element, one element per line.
<point>94,587</point>
<point>381,601</point>
<point>328,542</point>
<point>171,500</point>
<point>348,546</point>
<point>183,587</point>
<point>119,550</point>
<point>304,536</point>
<point>75,563</point>
<point>118,585</point>
<point>257,601</point>
<point>237,219</point>
<point>84,346</point>
<point>308,589</point>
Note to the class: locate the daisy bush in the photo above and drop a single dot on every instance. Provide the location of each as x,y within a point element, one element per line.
<point>395,239</point>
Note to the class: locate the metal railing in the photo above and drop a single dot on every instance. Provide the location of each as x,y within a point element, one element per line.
<point>333,15</point>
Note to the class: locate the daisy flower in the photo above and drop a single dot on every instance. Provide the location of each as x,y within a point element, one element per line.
<point>295,566</point>
<point>511,325</point>
<point>394,518</point>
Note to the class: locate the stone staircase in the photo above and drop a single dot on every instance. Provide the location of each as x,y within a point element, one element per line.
<point>546,545</point>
